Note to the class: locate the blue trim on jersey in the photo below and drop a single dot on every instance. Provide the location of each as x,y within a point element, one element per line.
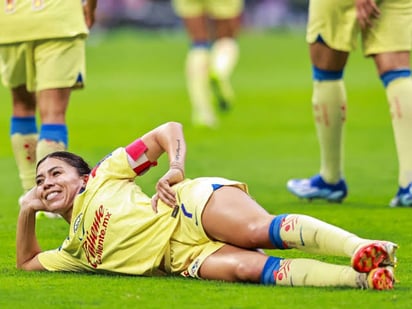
<point>321,75</point>
<point>201,44</point>
<point>185,212</point>
<point>54,132</point>
<point>319,39</point>
<point>216,186</point>
<point>270,270</point>
<point>79,79</point>
<point>390,76</point>
<point>23,125</point>
<point>274,231</point>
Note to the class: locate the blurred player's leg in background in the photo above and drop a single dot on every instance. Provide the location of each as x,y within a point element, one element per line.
<point>212,27</point>
<point>52,104</point>
<point>197,72</point>
<point>23,135</point>
<point>223,59</point>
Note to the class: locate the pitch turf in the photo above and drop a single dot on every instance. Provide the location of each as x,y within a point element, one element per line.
<point>135,82</point>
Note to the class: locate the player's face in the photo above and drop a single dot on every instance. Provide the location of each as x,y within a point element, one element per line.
<point>58,183</point>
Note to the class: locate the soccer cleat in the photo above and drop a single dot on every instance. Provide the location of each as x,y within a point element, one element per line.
<point>381,278</point>
<point>317,188</point>
<point>403,198</point>
<point>223,92</point>
<point>374,255</point>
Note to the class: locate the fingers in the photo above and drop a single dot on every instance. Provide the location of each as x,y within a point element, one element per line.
<point>90,21</point>
<point>30,200</point>
<point>164,190</point>
<point>155,198</point>
<point>166,193</point>
<point>367,10</point>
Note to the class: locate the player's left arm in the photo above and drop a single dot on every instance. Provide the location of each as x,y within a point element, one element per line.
<point>89,8</point>
<point>167,138</point>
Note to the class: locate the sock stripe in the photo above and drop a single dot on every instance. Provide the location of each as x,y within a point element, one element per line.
<point>325,75</point>
<point>389,76</point>
<point>270,270</point>
<point>54,132</point>
<point>274,231</point>
<point>23,125</point>
<point>201,44</point>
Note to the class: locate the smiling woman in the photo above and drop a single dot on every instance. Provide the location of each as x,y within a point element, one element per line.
<point>59,180</point>
<point>186,228</point>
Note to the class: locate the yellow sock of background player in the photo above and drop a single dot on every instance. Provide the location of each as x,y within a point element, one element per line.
<point>223,59</point>
<point>197,77</point>
<point>329,109</point>
<point>399,94</point>
<point>23,136</point>
<point>53,137</point>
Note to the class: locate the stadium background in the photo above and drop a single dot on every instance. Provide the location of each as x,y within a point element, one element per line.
<point>159,13</point>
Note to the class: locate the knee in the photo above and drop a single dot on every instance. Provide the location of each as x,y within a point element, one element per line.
<point>248,271</point>
<point>257,235</point>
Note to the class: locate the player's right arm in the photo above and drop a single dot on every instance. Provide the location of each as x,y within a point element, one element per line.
<point>27,247</point>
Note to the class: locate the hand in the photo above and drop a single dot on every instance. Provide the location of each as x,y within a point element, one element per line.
<point>164,190</point>
<point>366,11</point>
<point>30,201</point>
<point>88,15</point>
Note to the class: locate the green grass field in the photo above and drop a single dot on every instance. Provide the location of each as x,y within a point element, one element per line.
<point>135,82</point>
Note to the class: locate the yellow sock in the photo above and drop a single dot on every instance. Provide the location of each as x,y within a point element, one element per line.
<point>197,75</point>
<point>399,93</point>
<point>308,272</point>
<point>24,149</point>
<point>44,147</point>
<point>223,59</point>
<point>315,236</point>
<point>329,108</point>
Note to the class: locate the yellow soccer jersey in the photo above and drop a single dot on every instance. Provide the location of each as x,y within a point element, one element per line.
<point>114,228</point>
<point>27,20</point>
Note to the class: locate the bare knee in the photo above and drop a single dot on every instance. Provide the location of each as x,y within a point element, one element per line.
<point>257,234</point>
<point>254,235</point>
<point>233,264</point>
<point>248,272</point>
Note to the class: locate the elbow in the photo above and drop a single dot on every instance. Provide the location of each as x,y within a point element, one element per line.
<point>32,264</point>
<point>22,266</point>
<point>29,267</point>
<point>174,124</point>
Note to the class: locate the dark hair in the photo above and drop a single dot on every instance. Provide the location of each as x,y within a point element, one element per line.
<point>70,158</point>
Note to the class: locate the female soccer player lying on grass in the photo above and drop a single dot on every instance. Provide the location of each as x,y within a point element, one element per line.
<point>208,228</point>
